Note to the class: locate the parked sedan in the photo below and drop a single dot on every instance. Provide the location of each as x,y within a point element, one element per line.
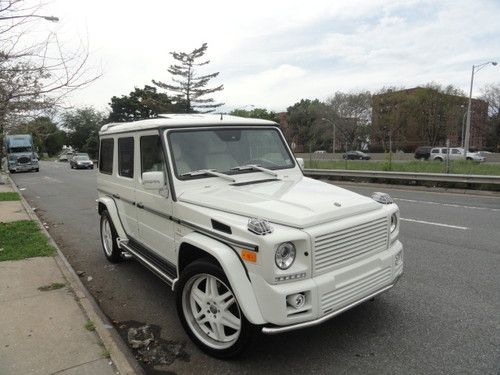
<point>81,161</point>
<point>356,155</point>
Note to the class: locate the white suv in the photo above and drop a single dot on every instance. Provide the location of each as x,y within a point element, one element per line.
<point>455,153</point>
<point>218,208</point>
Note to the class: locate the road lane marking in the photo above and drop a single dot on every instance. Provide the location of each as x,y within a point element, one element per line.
<point>433,223</point>
<point>446,204</point>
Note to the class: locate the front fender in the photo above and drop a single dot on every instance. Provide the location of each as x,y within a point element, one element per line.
<point>110,205</point>
<point>234,270</point>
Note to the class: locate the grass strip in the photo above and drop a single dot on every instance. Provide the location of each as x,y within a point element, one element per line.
<point>23,239</point>
<point>456,167</point>
<point>9,196</point>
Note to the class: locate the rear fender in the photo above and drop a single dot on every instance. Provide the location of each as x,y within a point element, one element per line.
<point>234,271</point>
<point>110,206</point>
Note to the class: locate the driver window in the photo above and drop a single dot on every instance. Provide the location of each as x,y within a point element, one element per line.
<point>152,159</point>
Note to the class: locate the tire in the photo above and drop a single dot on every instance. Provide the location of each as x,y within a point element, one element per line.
<point>12,171</point>
<point>438,159</point>
<point>37,170</point>
<point>108,239</point>
<point>210,308</point>
<point>468,158</point>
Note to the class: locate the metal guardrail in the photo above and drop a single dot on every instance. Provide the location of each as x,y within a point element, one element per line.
<point>414,176</point>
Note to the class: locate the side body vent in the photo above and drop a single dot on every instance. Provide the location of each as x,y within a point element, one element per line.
<point>217,225</point>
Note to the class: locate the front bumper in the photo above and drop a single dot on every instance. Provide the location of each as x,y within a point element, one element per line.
<point>23,167</point>
<point>328,294</point>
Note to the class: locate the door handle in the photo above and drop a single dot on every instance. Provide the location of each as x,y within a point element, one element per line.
<point>140,205</point>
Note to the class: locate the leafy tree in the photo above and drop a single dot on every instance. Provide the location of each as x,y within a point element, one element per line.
<point>351,114</point>
<point>306,128</point>
<point>55,141</point>
<point>36,71</point>
<point>261,113</point>
<point>83,126</point>
<point>142,104</point>
<point>491,94</point>
<point>190,86</point>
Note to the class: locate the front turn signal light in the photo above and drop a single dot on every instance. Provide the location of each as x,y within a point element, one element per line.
<point>248,255</point>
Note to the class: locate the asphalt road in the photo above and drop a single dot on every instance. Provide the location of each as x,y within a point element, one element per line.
<point>441,318</point>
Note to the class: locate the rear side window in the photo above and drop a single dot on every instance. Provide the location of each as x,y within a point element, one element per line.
<point>151,154</point>
<point>435,151</point>
<point>106,156</point>
<point>126,157</point>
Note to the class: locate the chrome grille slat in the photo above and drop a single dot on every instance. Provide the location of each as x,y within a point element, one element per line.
<point>338,298</point>
<point>347,244</point>
<point>349,255</point>
<point>333,248</point>
<point>346,232</point>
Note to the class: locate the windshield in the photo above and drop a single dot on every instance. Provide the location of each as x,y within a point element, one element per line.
<point>19,149</point>
<point>82,157</point>
<point>224,149</point>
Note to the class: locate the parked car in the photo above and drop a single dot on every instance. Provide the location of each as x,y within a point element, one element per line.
<point>81,161</point>
<point>356,155</point>
<point>423,152</point>
<point>219,209</point>
<point>454,153</point>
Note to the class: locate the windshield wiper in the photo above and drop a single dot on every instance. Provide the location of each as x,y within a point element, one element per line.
<point>254,167</point>
<point>210,172</point>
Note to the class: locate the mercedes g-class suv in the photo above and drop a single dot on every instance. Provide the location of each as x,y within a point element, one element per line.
<point>219,208</point>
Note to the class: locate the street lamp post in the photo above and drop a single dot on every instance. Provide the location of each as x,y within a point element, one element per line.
<point>475,68</point>
<point>333,140</point>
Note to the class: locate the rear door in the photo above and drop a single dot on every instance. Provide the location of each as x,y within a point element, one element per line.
<point>156,229</point>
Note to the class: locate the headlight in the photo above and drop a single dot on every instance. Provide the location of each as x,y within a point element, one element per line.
<point>285,255</point>
<point>394,222</point>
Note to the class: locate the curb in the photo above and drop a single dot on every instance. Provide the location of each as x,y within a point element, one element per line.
<point>120,353</point>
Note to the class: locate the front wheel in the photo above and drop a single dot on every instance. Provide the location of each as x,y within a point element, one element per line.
<point>209,310</point>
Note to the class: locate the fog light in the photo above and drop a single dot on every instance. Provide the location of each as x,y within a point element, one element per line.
<point>398,259</point>
<point>296,300</point>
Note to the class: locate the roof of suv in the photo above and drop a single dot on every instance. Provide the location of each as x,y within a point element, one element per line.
<point>182,120</point>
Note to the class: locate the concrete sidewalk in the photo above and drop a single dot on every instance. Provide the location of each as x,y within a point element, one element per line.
<point>43,332</point>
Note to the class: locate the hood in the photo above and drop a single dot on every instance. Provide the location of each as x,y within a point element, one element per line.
<point>296,203</point>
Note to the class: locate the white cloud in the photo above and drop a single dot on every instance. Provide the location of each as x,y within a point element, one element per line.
<point>273,53</point>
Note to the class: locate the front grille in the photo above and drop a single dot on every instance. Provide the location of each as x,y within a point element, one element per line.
<point>355,290</point>
<point>23,160</point>
<point>336,247</point>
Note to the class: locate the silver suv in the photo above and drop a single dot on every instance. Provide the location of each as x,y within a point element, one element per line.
<point>454,153</point>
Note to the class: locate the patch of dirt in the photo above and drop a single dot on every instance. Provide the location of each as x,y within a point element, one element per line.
<point>152,351</point>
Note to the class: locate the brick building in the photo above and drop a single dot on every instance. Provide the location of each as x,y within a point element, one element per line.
<point>424,116</point>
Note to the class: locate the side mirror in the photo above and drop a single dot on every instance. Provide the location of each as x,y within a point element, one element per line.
<point>301,163</point>
<point>153,180</point>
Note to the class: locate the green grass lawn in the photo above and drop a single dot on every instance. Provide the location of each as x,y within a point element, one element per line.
<point>9,196</point>
<point>458,167</point>
<point>23,239</point>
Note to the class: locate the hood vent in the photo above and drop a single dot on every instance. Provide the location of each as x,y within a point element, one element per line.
<point>217,225</point>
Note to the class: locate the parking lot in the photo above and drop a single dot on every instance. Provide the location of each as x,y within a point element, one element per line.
<point>442,317</point>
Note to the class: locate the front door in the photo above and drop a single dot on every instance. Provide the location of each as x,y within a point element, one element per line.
<point>154,207</point>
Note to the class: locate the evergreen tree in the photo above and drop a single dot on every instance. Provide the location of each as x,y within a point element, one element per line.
<point>189,86</point>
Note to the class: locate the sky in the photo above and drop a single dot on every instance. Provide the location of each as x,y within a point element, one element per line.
<point>271,54</point>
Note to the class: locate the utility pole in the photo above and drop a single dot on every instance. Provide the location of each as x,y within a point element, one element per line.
<point>467,124</point>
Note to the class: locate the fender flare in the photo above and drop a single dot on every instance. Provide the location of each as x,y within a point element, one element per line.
<point>110,205</point>
<point>234,271</point>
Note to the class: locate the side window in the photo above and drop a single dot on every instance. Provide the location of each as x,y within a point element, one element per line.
<point>435,151</point>
<point>106,156</point>
<point>455,151</point>
<point>151,154</point>
<point>126,157</point>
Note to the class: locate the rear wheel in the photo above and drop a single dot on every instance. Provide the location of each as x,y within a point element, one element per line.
<point>209,310</point>
<point>469,158</point>
<point>108,239</point>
